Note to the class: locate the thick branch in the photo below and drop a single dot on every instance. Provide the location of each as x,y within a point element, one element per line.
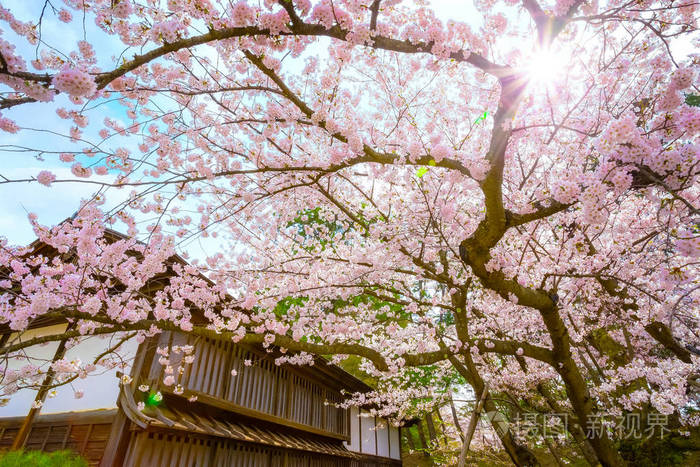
<point>511,348</point>
<point>379,361</point>
<point>374,8</point>
<point>297,28</point>
<point>553,207</point>
<point>656,329</point>
<point>370,154</point>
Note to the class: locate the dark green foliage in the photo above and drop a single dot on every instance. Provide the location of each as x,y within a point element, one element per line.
<point>692,100</point>
<point>41,459</point>
<point>654,452</point>
<point>375,302</point>
<point>429,375</point>
<point>283,306</point>
<point>351,364</point>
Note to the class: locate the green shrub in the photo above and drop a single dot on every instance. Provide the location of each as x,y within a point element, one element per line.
<point>41,459</point>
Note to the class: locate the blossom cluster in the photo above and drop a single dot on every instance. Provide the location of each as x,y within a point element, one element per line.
<point>75,82</point>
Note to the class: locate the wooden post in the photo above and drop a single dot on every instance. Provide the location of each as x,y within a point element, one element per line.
<point>431,428</point>
<point>23,433</point>
<point>472,427</point>
<point>456,419</point>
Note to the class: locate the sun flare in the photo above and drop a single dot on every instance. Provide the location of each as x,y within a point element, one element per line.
<point>545,66</point>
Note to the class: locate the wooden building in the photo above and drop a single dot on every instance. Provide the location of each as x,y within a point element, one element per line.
<point>222,412</point>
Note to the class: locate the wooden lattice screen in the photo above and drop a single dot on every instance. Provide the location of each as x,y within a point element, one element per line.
<point>152,449</point>
<point>85,433</point>
<point>263,386</point>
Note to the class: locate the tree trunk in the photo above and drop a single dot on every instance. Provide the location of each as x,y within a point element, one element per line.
<point>472,427</point>
<point>431,429</point>
<point>574,429</point>
<point>583,407</point>
<point>576,387</point>
<point>519,454</point>
<point>421,435</point>
<point>455,418</point>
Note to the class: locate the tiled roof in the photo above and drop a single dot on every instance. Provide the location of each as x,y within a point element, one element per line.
<point>193,422</point>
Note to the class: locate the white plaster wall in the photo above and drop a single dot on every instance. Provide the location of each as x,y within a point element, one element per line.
<point>100,389</point>
<point>394,443</point>
<point>364,438</point>
<point>354,444</point>
<point>369,443</point>
<point>382,438</point>
<point>21,401</point>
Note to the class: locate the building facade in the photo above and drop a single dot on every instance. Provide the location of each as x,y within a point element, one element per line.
<point>231,406</point>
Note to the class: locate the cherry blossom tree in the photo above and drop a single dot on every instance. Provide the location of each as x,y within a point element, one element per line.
<point>512,202</point>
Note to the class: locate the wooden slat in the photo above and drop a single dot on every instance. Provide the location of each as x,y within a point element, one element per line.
<point>170,454</point>
<point>85,441</point>
<point>48,433</point>
<point>273,387</point>
<point>187,374</point>
<point>182,452</point>
<point>208,367</point>
<point>234,381</point>
<point>261,391</point>
<point>265,382</point>
<point>65,438</point>
<point>244,374</point>
<point>201,365</point>
<point>189,453</point>
<point>251,380</point>
<point>271,401</point>
<point>212,368</point>
<point>192,375</point>
<point>237,393</point>
<point>224,370</point>
<point>135,452</point>
<point>260,387</point>
<point>324,410</point>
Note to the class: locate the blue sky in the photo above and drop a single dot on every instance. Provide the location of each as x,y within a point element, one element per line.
<point>61,200</point>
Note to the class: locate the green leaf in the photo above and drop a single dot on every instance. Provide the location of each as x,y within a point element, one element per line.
<point>421,171</point>
<point>692,100</point>
<point>154,399</point>
<point>481,118</point>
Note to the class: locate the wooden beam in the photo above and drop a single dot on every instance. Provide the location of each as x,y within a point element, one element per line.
<point>85,441</point>
<point>23,433</point>
<point>245,411</point>
<point>117,444</point>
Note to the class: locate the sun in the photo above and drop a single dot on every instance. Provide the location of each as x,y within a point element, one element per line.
<point>545,66</point>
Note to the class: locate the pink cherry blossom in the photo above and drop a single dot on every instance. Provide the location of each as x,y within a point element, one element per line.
<point>45,177</point>
<point>74,82</point>
<point>65,16</point>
